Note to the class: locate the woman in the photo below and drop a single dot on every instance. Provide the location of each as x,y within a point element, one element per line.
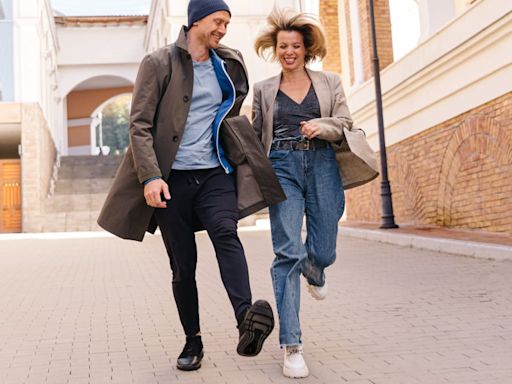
<point>296,115</point>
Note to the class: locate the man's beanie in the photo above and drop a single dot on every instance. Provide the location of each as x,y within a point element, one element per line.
<point>198,9</point>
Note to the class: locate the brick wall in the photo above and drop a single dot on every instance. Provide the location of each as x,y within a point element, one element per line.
<point>38,158</point>
<point>348,39</point>
<point>457,174</point>
<point>329,18</point>
<point>383,31</point>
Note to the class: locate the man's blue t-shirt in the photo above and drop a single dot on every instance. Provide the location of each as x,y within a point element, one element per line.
<point>197,149</point>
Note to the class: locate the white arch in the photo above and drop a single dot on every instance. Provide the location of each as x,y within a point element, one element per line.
<point>71,77</point>
<point>106,102</point>
<point>73,83</point>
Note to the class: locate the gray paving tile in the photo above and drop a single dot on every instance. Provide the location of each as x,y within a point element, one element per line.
<point>100,311</point>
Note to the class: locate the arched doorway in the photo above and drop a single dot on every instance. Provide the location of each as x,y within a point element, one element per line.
<point>109,127</point>
<point>83,104</point>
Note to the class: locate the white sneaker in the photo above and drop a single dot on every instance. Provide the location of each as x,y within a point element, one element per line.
<point>318,293</point>
<point>294,365</point>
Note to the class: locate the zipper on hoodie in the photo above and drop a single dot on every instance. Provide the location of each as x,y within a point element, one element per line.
<point>225,114</point>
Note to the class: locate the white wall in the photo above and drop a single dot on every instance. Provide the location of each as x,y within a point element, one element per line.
<point>6,51</point>
<point>434,14</point>
<point>100,45</point>
<point>462,66</point>
<point>91,51</point>
<point>35,47</point>
<point>405,26</point>
<point>88,52</point>
<point>72,75</point>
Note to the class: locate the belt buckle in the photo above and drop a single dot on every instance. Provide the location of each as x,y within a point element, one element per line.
<point>304,144</point>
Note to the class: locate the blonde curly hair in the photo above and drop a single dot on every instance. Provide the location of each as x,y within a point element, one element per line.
<point>287,19</point>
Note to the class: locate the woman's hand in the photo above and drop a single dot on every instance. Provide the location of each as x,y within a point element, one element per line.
<point>309,130</point>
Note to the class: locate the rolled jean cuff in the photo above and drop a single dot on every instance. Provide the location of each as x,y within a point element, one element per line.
<point>313,274</point>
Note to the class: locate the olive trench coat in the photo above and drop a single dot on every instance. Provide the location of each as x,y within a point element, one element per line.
<point>159,111</point>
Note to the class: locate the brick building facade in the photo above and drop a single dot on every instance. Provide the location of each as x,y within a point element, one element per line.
<point>332,12</point>
<point>383,32</point>
<point>455,173</point>
<point>329,18</point>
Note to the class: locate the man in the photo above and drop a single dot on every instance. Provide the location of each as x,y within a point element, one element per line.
<point>182,95</point>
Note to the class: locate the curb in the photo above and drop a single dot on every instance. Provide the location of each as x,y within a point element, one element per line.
<point>436,244</point>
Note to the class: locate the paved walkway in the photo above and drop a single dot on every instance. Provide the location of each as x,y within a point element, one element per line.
<point>99,310</point>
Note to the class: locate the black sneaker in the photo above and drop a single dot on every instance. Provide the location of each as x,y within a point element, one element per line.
<point>192,354</point>
<point>258,323</point>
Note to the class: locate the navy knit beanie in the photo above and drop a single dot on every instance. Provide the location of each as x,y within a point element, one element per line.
<point>198,9</point>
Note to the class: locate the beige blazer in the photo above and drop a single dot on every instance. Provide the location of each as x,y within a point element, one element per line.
<point>356,160</point>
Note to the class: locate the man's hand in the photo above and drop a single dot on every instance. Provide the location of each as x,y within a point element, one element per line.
<point>153,191</point>
<point>309,130</point>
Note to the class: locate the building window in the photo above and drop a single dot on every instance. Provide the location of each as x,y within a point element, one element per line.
<point>405,26</point>
<point>5,9</point>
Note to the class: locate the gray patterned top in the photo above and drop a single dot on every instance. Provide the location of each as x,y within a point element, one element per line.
<point>288,114</point>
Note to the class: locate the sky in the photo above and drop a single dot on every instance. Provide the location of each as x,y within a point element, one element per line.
<point>101,7</point>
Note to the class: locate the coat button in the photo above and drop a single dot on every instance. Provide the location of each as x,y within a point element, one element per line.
<point>185,99</point>
<point>175,138</point>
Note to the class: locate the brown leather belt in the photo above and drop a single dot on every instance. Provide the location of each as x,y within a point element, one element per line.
<point>300,145</point>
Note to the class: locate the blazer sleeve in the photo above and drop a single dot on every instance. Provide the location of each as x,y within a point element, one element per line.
<point>146,96</point>
<point>257,116</point>
<point>332,127</point>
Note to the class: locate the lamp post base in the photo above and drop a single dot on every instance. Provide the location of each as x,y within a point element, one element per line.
<point>388,219</point>
<point>388,223</point>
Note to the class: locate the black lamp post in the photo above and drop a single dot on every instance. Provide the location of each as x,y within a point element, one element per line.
<point>388,219</point>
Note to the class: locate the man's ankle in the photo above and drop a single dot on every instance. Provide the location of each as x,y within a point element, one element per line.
<point>241,316</point>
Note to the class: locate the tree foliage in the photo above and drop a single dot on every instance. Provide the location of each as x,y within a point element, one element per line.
<point>115,121</point>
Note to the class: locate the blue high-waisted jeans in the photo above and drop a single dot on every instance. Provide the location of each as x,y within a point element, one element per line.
<point>312,184</point>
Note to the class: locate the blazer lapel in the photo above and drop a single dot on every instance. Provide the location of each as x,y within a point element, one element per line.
<point>269,93</point>
<point>321,88</point>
